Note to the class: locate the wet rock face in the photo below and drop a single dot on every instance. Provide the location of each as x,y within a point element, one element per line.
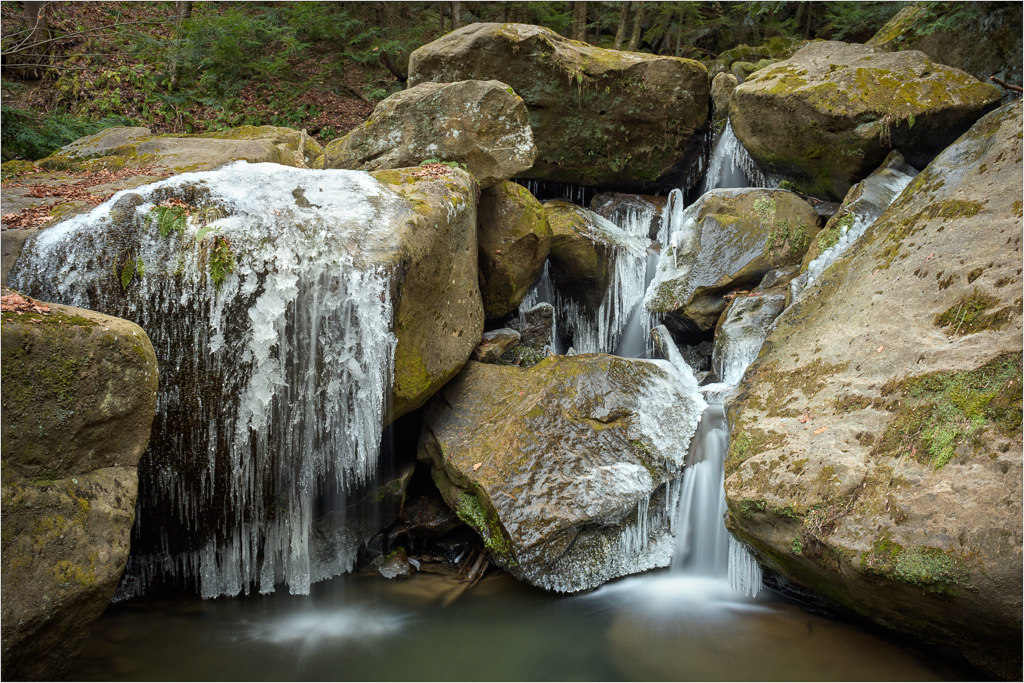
<point>827,117</point>
<point>79,394</point>
<point>876,444</point>
<point>481,124</point>
<point>568,470</point>
<point>514,239</point>
<point>599,117</point>
<point>730,238</point>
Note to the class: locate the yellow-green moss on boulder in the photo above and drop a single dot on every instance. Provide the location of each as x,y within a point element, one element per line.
<point>737,236</point>
<point>514,238</point>
<point>599,117</point>
<point>827,117</point>
<point>552,465</point>
<point>438,312</point>
<point>79,395</point>
<point>481,125</point>
<point>881,425</point>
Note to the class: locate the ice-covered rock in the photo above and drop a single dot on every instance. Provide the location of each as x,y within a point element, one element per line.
<point>290,309</point>
<point>569,470</point>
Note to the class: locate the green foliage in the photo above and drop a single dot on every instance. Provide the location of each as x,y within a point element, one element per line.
<point>858,21</point>
<point>220,259</point>
<point>26,135</point>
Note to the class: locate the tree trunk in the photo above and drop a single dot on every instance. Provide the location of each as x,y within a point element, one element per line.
<point>184,11</point>
<point>638,28</point>
<point>440,18</point>
<point>579,20</point>
<point>620,33</point>
<point>456,14</point>
<point>31,47</point>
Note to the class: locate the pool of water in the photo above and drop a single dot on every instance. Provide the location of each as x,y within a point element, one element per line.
<point>659,626</point>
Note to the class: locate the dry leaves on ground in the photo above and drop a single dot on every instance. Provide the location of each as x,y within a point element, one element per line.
<point>16,303</point>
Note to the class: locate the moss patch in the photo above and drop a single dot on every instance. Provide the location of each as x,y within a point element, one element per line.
<point>943,414</point>
<point>936,571</point>
<point>969,315</point>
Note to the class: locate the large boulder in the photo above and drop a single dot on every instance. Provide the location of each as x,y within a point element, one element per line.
<point>599,117</point>
<point>981,38</point>
<point>827,117</point>
<point>514,238</point>
<point>567,470</point>
<point>294,307</point>
<point>119,148</point>
<point>875,452</point>
<point>79,394</point>
<point>728,239</point>
<point>480,124</point>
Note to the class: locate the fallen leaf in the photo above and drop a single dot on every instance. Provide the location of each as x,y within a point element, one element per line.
<point>16,303</point>
<point>804,419</point>
<point>477,466</point>
<point>930,256</point>
<point>913,451</point>
<point>879,349</point>
<point>819,430</point>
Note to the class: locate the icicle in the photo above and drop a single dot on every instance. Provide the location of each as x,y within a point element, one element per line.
<point>272,382</point>
<point>744,571</point>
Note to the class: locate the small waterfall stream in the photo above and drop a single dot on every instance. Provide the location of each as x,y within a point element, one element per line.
<point>703,619</point>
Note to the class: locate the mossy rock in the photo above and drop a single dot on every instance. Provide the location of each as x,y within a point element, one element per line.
<point>981,38</point>
<point>118,148</point>
<point>735,238</point>
<point>438,314</point>
<point>599,117</point>
<point>828,116</point>
<point>479,125</point>
<point>552,465</point>
<point>895,379</point>
<point>79,395</point>
<point>514,239</point>
<point>582,257</point>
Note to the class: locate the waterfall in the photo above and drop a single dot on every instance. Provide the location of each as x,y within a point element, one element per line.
<point>600,331</point>
<point>878,192</point>
<point>273,380</point>
<point>732,167</point>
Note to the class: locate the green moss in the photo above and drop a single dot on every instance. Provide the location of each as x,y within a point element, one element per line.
<point>900,231</point>
<point>968,315</point>
<point>796,546</point>
<point>936,571</point>
<point>828,237</point>
<point>935,416</point>
<point>471,511</point>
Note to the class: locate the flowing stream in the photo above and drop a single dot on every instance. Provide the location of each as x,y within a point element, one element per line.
<point>705,618</point>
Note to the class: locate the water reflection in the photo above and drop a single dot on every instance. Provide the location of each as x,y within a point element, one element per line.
<point>660,626</point>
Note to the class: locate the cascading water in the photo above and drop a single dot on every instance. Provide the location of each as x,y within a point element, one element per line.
<point>273,381</point>
<point>878,192</point>
<point>600,331</point>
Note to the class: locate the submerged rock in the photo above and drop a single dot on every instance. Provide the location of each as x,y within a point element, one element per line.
<point>876,447</point>
<point>79,393</point>
<point>283,320</point>
<point>728,239</point>
<point>514,240</point>
<point>827,117</point>
<point>480,124</point>
<point>599,117</point>
<point>569,471</point>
